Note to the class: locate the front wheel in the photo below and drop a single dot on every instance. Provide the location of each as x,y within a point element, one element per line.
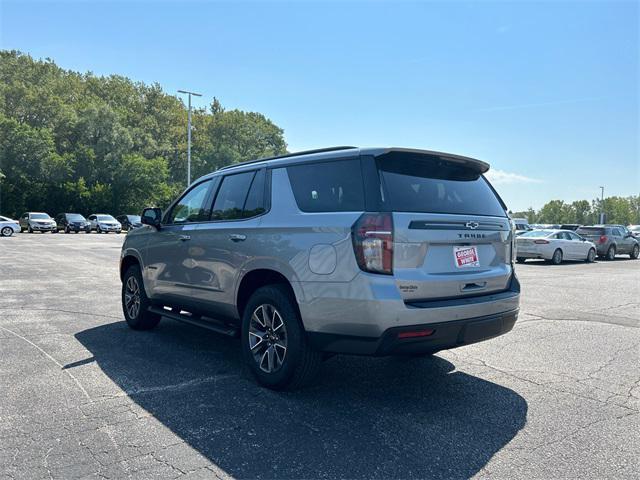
<point>635,252</point>
<point>557,257</point>
<point>135,303</point>
<point>591,256</point>
<point>611,253</point>
<point>274,343</point>
<point>29,229</point>
<point>6,232</point>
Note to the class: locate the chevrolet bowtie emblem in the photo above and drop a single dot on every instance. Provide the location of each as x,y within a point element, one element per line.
<point>472,225</point>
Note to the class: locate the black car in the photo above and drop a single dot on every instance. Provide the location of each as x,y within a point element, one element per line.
<point>129,222</point>
<point>72,222</point>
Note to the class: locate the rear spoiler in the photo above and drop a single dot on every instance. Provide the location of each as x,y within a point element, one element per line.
<point>473,164</point>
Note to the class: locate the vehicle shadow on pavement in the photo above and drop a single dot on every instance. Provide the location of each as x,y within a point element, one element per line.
<point>364,418</point>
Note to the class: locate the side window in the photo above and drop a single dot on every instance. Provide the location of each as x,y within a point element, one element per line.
<point>616,233</point>
<point>231,196</point>
<point>328,187</point>
<point>575,237</point>
<point>193,206</point>
<point>254,204</point>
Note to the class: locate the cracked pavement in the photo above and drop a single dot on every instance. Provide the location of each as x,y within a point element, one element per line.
<point>82,396</point>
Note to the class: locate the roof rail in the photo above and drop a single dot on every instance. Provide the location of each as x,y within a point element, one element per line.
<point>294,154</point>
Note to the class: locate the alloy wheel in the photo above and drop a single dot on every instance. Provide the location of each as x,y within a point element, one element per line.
<point>132,297</point>
<point>268,338</point>
<point>7,232</point>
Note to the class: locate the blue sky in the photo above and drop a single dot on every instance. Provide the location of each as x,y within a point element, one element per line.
<point>546,92</point>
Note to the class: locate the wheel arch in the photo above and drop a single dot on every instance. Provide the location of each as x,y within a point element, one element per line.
<point>260,277</point>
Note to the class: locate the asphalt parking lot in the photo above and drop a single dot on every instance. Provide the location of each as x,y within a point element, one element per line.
<point>82,396</point>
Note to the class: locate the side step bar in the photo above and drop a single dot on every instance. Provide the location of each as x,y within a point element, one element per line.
<point>213,325</point>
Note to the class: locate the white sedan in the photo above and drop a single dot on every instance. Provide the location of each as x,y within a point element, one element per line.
<point>8,226</point>
<point>554,246</point>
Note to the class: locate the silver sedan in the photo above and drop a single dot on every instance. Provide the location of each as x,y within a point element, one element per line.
<point>554,246</point>
<point>8,226</point>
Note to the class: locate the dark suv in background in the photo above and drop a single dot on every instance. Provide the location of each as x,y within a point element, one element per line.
<point>611,240</point>
<point>72,222</point>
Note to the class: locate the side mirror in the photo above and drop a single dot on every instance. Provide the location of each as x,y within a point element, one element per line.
<point>152,216</point>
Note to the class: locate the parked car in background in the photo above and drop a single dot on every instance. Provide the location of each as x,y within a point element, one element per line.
<point>129,222</point>
<point>522,225</point>
<point>379,251</point>
<point>570,226</point>
<point>8,226</point>
<point>611,240</point>
<point>635,231</point>
<point>104,223</point>
<point>554,246</point>
<point>72,222</point>
<point>37,222</point>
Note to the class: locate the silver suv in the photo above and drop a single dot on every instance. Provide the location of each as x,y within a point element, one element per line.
<point>377,251</point>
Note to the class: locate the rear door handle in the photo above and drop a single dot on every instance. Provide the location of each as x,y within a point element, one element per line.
<point>184,238</point>
<point>237,237</point>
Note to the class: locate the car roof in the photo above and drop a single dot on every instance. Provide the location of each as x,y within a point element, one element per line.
<point>344,152</point>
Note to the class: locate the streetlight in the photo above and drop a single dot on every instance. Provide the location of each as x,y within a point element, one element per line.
<point>601,205</point>
<point>189,133</point>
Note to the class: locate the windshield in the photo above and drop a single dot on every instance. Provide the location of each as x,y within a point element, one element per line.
<point>75,217</point>
<point>40,216</point>
<point>106,218</point>
<point>536,233</point>
<point>429,185</point>
<point>134,218</point>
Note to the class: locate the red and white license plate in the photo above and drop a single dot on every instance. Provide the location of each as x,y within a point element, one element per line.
<point>466,257</point>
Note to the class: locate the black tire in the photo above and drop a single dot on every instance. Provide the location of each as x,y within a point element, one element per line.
<point>521,259</point>
<point>635,252</point>
<point>6,232</point>
<point>557,257</point>
<point>98,229</point>
<point>137,318</point>
<point>611,253</point>
<point>299,363</point>
<point>591,256</point>
<point>29,229</point>
<point>66,229</point>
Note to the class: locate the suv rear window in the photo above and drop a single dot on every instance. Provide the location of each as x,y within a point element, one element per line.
<point>590,231</point>
<point>430,185</point>
<point>328,186</point>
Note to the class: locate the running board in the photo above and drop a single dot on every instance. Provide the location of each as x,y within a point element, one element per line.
<point>213,325</point>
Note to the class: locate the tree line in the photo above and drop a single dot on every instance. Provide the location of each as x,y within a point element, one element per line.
<point>73,142</point>
<point>622,210</point>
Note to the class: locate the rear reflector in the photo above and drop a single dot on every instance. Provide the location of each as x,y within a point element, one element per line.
<point>541,242</point>
<point>415,334</point>
<point>603,239</point>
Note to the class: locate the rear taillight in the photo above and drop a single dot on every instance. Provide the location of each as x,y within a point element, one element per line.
<point>372,236</point>
<point>603,239</point>
<point>541,242</point>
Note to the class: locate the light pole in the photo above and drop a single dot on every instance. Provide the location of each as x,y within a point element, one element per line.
<point>189,133</point>
<point>601,205</point>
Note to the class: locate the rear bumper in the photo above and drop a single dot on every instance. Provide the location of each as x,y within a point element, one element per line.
<point>446,335</point>
<point>370,307</point>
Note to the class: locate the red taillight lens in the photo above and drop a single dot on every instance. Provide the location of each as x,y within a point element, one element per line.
<point>541,242</point>
<point>603,239</point>
<point>372,236</point>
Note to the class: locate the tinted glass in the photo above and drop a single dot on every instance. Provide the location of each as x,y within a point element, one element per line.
<point>40,216</point>
<point>231,196</point>
<point>105,218</point>
<point>75,217</point>
<point>590,231</point>
<point>616,232</point>
<point>535,234</point>
<point>575,237</point>
<point>134,218</point>
<point>192,207</point>
<point>415,184</point>
<point>254,204</point>
<point>328,187</point>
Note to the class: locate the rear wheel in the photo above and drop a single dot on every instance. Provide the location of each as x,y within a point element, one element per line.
<point>6,232</point>
<point>135,303</point>
<point>591,256</point>
<point>274,343</point>
<point>611,253</point>
<point>635,252</point>
<point>521,259</point>
<point>557,257</point>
